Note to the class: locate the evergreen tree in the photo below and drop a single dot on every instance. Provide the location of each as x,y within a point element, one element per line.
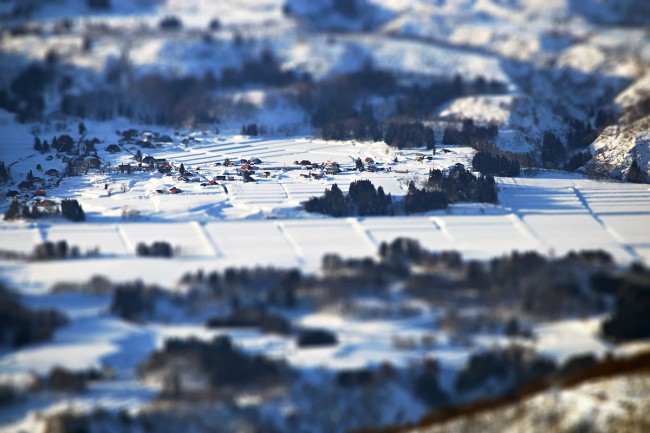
<point>37,145</point>
<point>450,136</point>
<point>14,211</point>
<point>634,174</point>
<point>552,150</point>
<point>72,210</point>
<point>4,173</point>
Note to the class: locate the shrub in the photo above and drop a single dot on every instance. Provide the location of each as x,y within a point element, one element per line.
<point>54,251</point>
<point>4,173</point>
<point>8,395</point>
<point>133,301</point>
<point>63,380</point>
<point>250,129</point>
<point>427,386</point>
<point>630,318</point>
<point>509,367</point>
<point>221,362</point>
<point>20,326</point>
<point>355,378</point>
<point>171,23</point>
<point>316,338</point>
<point>99,4</point>
<point>157,249</point>
<point>250,318</point>
<point>576,363</point>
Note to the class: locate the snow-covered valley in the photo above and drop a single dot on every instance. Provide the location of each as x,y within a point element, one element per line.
<point>163,266</point>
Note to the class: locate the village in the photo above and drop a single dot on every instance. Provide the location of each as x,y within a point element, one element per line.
<point>169,165</point>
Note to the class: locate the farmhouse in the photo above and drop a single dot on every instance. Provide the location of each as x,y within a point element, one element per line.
<point>92,162</point>
<point>331,171</point>
<point>113,148</point>
<point>125,168</point>
<point>26,185</point>
<point>150,161</point>
<point>165,167</point>
<point>46,206</point>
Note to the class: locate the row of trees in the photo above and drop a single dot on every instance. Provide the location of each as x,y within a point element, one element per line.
<point>441,189</point>
<point>219,361</point>
<point>21,326</point>
<point>156,249</point>
<point>419,200</point>
<point>69,208</point>
<point>495,165</point>
<point>362,199</point>
<point>408,135</point>
<point>460,184</point>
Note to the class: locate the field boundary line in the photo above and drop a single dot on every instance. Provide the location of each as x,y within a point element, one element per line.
<point>613,233</point>
<point>295,247</point>
<point>128,246</point>
<point>200,228</point>
<point>365,234</point>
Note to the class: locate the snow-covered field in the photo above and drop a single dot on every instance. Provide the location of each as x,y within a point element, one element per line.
<point>551,213</point>
<point>595,54</point>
